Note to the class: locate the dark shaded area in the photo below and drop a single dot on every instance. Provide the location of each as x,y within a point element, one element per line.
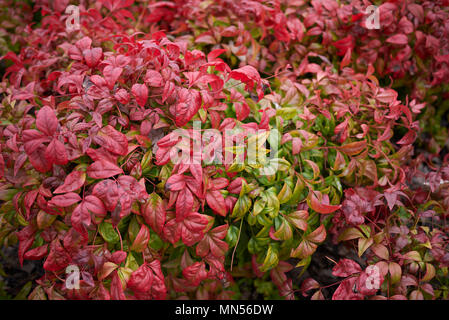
<point>16,277</point>
<point>320,268</point>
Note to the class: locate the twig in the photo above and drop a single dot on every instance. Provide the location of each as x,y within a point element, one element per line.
<point>236,244</point>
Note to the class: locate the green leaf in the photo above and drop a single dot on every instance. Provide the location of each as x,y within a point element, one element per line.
<point>287,113</point>
<point>285,231</point>
<point>23,293</point>
<point>366,230</point>
<point>241,207</point>
<point>131,262</point>
<point>108,233</point>
<point>364,244</point>
<point>299,219</point>
<point>285,194</point>
<point>232,235</point>
<point>297,191</point>
<point>273,205</point>
<point>133,229</point>
<point>413,255</point>
<point>350,234</point>
<point>155,242</point>
<point>259,204</point>
<point>271,259</point>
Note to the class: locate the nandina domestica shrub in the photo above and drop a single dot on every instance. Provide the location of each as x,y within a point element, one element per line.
<point>190,149</point>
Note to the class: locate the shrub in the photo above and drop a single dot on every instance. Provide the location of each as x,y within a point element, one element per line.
<point>92,121</point>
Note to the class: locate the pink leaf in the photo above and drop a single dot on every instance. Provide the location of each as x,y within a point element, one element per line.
<point>92,56</point>
<point>111,74</point>
<point>65,200</point>
<point>140,92</point>
<point>154,79</point>
<point>56,153</point>
<point>46,121</point>
<point>112,140</point>
<point>72,182</point>
<point>399,39</point>
<point>102,169</point>
<point>346,267</point>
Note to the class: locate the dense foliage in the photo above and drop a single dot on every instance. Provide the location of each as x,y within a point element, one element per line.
<point>355,121</point>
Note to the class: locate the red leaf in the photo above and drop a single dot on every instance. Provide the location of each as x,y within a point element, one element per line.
<point>242,111</point>
<point>218,183</point>
<point>154,79</point>
<point>141,280</point>
<point>84,43</point>
<point>154,213</point>
<point>118,257</point>
<point>102,169</point>
<point>197,171</point>
<point>248,75</point>
<point>346,59</point>
<point>33,139</point>
<point>24,93</point>
<point>111,74</point>
<point>46,121</point>
<point>101,153</point>
<point>81,218</point>
<point>187,105</point>
<point>345,292</point>
<point>212,242</point>
<point>408,138</point>
<point>216,202</point>
<point>353,148</point>
<point>142,238</point>
<point>175,183</point>
<point>184,203</point>
<point>65,200</point>
<point>320,206</point>
<point>236,185</point>
<point>345,268</point>
<point>37,253</point>
<point>387,96</point>
<point>309,284</point>
<point>193,226</point>
<point>140,92</point>
<point>278,274</point>
<point>92,56</point>
<point>345,44</point>
<point>112,140</point>
<point>189,229</point>
<point>56,153</point>
<point>122,96</point>
<point>26,239</point>
<point>135,189</point>
<point>95,205</point>
<point>341,131</point>
<point>28,201</point>
<point>158,289</point>
<point>195,273</point>
<point>72,182</point>
<point>116,288</point>
<point>400,39</point>
<point>2,167</point>
<point>318,235</point>
<point>214,54</point>
<point>58,257</point>
<point>107,191</point>
<point>38,161</point>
